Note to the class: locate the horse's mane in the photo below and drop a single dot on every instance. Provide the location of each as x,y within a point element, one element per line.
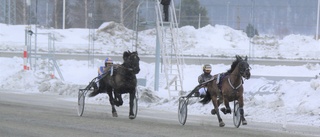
<point>234,64</point>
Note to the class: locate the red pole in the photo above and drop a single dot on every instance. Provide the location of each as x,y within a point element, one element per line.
<point>25,57</point>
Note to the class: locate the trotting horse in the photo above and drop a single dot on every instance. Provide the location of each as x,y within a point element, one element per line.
<point>123,80</point>
<point>231,89</point>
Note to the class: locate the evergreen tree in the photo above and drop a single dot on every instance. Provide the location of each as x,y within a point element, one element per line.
<point>190,12</point>
<point>251,31</point>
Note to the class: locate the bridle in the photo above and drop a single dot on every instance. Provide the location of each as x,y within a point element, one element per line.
<point>242,71</point>
<point>129,66</point>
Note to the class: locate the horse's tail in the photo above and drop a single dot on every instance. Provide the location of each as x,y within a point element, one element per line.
<point>206,99</point>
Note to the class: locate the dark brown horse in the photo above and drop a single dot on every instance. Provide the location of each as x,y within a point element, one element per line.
<point>231,89</point>
<point>122,80</point>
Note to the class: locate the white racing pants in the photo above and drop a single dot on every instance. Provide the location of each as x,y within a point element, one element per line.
<point>202,91</point>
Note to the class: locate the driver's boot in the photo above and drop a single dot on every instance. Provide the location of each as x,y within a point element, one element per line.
<point>95,89</point>
<point>196,94</point>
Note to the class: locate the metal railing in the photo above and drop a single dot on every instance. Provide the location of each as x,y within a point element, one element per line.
<point>32,51</point>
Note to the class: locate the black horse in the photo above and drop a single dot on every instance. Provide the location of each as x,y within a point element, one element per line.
<point>122,80</point>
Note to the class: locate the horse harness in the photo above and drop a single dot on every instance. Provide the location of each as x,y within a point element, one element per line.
<point>241,72</point>
<point>129,69</point>
<point>219,79</point>
<point>234,88</point>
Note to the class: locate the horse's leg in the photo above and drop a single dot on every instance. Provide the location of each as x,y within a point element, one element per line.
<point>227,109</point>
<point>120,101</point>
<point>117,99</point>
<point>111,100</point>
<point>132,96</point>
<point>216,109</point>
<point>244,121</point>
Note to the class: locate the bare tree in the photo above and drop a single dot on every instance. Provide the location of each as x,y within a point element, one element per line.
<point>121,11</point>
<point>128,10</point>
<point>55,14</point>
<point>21,12</point>
<point>86,13</point>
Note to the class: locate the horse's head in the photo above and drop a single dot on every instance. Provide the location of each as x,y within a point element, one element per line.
<point>131,61</point>
<point>244,68</point>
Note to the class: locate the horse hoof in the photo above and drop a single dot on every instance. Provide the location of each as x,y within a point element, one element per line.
<point>221,124</point>
<point>115,114</point>
<point>244,122</point>
<point>132,117</point>
<point>116,103</point>
<point>213,112</point>
<point>224,110</point>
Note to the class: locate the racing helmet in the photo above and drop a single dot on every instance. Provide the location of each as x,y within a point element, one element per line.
<point>108,61</point>
<point>207,68</point>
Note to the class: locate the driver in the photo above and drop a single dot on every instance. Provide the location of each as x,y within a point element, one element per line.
<point>107,65</point>
<point>206,75</point>
<point>101,70</point>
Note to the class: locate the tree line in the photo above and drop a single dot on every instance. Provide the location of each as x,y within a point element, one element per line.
<point>280,17</point>
<point>87,13</point>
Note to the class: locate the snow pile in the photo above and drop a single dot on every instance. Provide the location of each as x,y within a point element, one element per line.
<point>114,36</point>
<point>299,48</point>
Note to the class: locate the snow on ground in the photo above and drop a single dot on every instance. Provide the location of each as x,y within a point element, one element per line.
<point>284,101</point>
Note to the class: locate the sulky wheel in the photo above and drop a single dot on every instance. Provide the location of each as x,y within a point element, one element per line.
<point>135,107</point>
<point>236,115</point>
<point>183,110</point>
<point>81,98</point>
<point>135,103</point>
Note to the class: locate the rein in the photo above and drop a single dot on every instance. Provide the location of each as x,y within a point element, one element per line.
<point>129,69</point>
